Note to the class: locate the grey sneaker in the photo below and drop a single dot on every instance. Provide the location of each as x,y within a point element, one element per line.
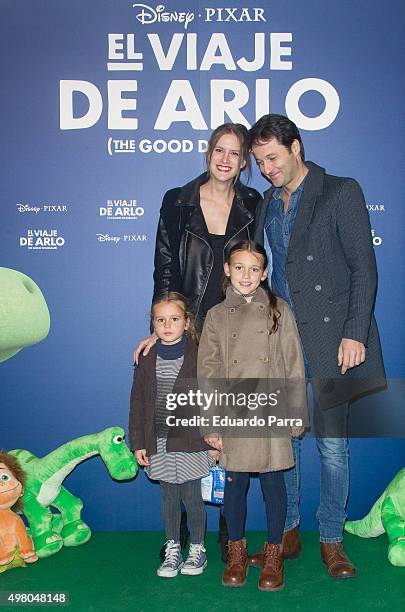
<point>196,561</point>
<point>173,560</point>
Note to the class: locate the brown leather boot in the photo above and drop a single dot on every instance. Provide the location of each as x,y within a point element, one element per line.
<point>291,548</point>
<point>291,544</point>
<point>237,566</point>
<point>272,576</point>
<point>256,560</point>
<point>336,560</point>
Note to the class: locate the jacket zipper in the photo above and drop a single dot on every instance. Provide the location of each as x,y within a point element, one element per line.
<point>212,265</point>
<point>232,237</point>
<point>208,275</point>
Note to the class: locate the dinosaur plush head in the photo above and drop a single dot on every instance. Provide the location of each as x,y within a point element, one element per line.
<point>12,482</point>
<point>24,315</point>
<point>118,459</point>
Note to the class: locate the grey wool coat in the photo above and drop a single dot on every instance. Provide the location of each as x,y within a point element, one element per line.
<point>236,343</point>
<point>332,278</point>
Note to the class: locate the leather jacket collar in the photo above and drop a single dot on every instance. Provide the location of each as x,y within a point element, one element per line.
<point>190,193</point>
<point>240,216</point>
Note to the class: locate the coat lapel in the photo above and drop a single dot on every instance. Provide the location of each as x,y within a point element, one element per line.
<point>313,187</point>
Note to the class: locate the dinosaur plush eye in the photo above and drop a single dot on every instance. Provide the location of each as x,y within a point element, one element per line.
<point>5,478</point>
<point>118,439</point>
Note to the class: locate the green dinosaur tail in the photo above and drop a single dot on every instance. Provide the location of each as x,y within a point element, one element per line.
<point>370,526</point>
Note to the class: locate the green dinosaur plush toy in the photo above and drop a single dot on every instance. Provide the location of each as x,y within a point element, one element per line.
<point>43,489</point>
<point>387,514</point>
<point>24,314</point>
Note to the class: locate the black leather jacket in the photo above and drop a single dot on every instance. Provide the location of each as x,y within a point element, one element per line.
<point>183,255</point>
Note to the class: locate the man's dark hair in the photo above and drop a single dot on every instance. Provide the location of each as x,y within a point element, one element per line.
<point>275,126</point>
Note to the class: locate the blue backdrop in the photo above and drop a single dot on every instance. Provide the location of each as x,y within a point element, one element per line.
<point>105,105</point>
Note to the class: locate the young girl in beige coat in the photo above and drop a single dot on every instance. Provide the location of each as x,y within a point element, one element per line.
<point>253,335</point>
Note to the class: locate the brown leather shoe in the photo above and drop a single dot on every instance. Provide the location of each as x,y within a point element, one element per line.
<point>336,560</point>
<point>272,576</point>
<point>256,560</point>
<point>237,566</point>
<point>291,545</point>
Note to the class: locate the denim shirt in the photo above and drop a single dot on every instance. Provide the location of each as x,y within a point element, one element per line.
<point>279,227</point>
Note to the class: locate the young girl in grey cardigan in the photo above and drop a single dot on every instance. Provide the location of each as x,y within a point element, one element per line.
<point>177,460</point>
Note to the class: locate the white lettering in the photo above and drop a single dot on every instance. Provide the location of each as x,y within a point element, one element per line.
<point>220,107</point>
<point>66,119</point>
<point>180,90</point>
<point>277,51</point>
<point>218,41</point>
<point>166,62</point>
<point>117,104</point>
<point>115,46</point>
<point>332,104</point>
<point>259,55</point>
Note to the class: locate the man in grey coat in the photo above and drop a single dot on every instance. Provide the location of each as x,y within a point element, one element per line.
<point>316,229</point>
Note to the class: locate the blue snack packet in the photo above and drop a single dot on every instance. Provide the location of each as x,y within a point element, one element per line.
<point>213,485</point>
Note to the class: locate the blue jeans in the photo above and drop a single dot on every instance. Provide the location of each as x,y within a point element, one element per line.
<point>334,473</point>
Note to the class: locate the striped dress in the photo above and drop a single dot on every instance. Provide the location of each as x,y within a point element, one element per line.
<point>176,467</point>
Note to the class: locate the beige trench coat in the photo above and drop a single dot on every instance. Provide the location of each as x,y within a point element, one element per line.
<point>236,343</point>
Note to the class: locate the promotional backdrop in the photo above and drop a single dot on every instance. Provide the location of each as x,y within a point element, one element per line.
<point>107,104</point>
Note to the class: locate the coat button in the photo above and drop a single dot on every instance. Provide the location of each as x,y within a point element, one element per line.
<point>310,258</point>
<point>265,359</point>
<point>235,361</point>
<point>318,287</point>
<point>326,319</point>
<point>261,307</point>
<point>234,335</point>
<point>232,310</point>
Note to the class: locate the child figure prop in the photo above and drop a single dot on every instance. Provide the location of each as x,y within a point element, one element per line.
<point>387,514</point>
<point>16,548</point>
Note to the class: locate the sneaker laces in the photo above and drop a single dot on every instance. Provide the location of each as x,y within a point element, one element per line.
<point>195,552</point>
<point>172,552</point>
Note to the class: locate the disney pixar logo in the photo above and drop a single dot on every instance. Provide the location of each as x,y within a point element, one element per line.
<point>48,208</point>
<point>125,238</point>
<point>148,15</point>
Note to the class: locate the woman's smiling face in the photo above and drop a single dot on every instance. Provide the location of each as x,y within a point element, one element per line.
<point>226,158</point>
